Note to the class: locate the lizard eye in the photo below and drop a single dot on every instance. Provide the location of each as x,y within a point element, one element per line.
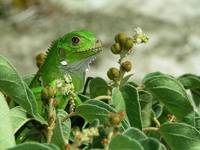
<point>75,40</point>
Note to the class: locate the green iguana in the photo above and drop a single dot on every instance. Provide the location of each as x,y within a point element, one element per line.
<point>70,54</point>
<point>67,60</point>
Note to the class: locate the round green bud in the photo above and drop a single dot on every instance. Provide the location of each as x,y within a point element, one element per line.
<point>121,38</point>
<point>128,44</point>
<point>115,48</point>
<point>126,66</point>
<point>113,73</point>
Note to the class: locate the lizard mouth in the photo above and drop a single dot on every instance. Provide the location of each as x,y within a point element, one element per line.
<point>98,47</point>
<point>93,50</point>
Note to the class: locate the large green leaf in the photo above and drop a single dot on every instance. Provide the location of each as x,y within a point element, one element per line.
<point>90,112</point>
<point>61,131</point>
<point>133,109</point>
<point>117,99</point>
<point>98,87</point>
<point>192,82</point>
<point>18,118</point>
<point>181,136</point>
<point>150,75</point>
<point>94,109</point>
<point>34,146</point>
<point>157,109</point>
<point>66,125</point>
<point>121,142</point>
<point>152,144</point>
<point>135,133</point>
<point>7,139</point>
<point>146,142</point>
<point>146,107</point>
<point>12,84</point>
<point>28,78</point>
<point>171,93</point>
<point>196,98</point>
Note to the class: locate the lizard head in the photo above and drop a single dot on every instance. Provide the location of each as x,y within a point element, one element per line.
<point>71,54</point>
<point>77,46</point>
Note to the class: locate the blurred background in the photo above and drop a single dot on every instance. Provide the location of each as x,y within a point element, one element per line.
<point>27,27</point>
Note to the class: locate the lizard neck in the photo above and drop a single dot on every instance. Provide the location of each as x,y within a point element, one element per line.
<point>49,71</point>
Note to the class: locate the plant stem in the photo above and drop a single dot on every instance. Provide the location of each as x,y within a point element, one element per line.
<point>109,139</point>
<point>157,122</point>
<point>51,120</point>
<point>68,116</point>
<point>122,72</point>
<point>102,97</point>
<point>150,129</point>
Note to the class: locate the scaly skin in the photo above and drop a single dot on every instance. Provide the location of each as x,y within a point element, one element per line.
<point>69,54</point>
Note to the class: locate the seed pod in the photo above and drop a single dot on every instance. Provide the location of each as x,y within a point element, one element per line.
<point>40,58</point>
<point>55,102</point>
<point>105,141</point>
<point>51,92</point>
<point>126,66</point>
<point>128,44</point>
<point>48,92</point>
<point>116,118</point>
<point>120,38</point>
<point>113,73</point>
<point>115,48</point>
<point>45,93</point>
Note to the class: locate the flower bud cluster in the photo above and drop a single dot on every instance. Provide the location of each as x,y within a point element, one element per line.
<point>65,86</point>
<point>123,47</point>
<point>116,118</point>
<point>86,135</point>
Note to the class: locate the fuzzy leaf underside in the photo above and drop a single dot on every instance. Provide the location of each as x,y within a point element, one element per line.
<point>133,108</point>
<point>7,139</point>
<point>18,118</point>
<point>94,109</point>
<point>172,94</point>
<point>34,146</point>
<point>123,142</point>
<point>98,86</point>
<point>12,84</point>
<point>61,131</point>
<point>181,136</point>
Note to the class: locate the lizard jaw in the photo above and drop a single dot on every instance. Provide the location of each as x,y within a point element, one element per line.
<point>93,50</point>
<point>89,60</point>
<point>84,63</point>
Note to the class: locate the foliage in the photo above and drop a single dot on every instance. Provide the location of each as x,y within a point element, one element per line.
<point>160,113</point>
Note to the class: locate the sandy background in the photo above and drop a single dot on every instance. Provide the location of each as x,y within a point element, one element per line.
<point>28,27</point>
